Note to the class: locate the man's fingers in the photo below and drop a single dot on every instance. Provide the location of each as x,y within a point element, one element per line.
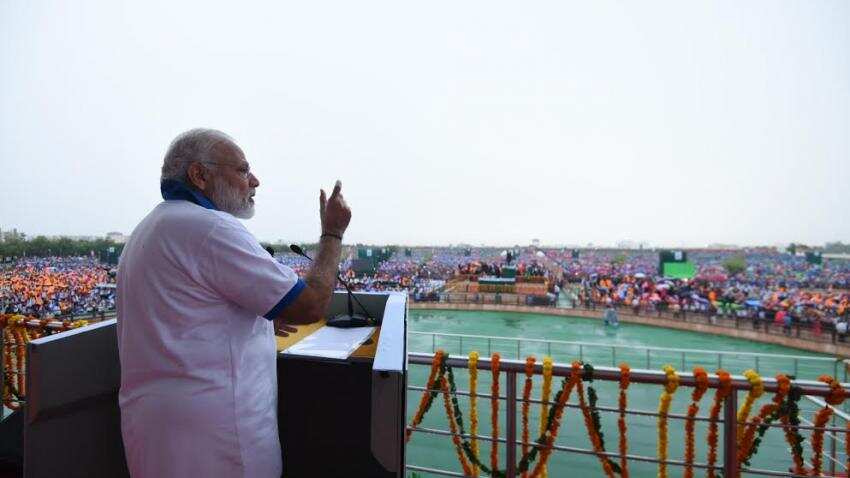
<point>337,188</point>
<point>323,202</point>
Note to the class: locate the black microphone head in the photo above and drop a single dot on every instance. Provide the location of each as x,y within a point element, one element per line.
<point>297,249</point>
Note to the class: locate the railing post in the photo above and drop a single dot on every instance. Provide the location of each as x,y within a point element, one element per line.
<point>683,361</point>
<point>518,343</point>
<point>833,437</point>
<point>797,367</point>
<point>581,352</point>
<point>460,346</point>
<point>613,356</point>
<point>433,343</point>
<point>489,342</point>
<point>730,442</point>
<point>647,359</point>
<point>757,364</point>
<point>510,424</point>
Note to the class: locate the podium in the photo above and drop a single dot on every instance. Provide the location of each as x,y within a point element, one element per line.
<point>343,417</point>
<point>337,417</point>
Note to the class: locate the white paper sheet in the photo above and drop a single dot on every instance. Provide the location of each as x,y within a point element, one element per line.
<point>331,342</point>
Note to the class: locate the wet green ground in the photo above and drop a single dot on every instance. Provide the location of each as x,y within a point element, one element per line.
<point>437,451</point>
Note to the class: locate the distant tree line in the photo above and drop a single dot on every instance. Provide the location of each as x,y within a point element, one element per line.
<point>41,246</point>
<point>837,247</point>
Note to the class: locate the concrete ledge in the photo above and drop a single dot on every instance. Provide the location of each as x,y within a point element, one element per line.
<point>837,349</point>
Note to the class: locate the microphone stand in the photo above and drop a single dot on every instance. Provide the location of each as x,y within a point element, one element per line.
<point>343,320</point>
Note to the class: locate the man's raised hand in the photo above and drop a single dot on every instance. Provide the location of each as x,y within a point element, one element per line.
<point>334,212</point>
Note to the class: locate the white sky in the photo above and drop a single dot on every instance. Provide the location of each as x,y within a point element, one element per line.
<point>677,123</point>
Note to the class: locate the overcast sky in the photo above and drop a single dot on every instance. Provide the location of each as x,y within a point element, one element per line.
<point>676,123</point>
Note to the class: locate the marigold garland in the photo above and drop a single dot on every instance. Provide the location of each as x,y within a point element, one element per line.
<point>625,375</point>
<point>592,425</point>
<point>701,379</point>
<point>467,471</point>
<point>554,420</point>
<point>750,432</point>
<point>789,415</point>
<point>768,413</point>
<point>526,396</point>
<point>756,391</point>
<point>494,412</point>
<point>724,388</point>
<point>835,397</point>
<point>664,408</point>
<point>18,330</point>
<point>9,387</point>
<point>429,393</point>
<point>473,406</point>
<point>544,406</point>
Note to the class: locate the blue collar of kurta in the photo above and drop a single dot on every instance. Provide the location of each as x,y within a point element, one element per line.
<point>172,189</point>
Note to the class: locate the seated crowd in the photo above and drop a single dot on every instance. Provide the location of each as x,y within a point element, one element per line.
<point>772,288</point>
<point>55,286</point>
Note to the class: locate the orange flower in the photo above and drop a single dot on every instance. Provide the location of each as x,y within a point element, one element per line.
<point>821,420</point>
<point>552,433</point>
<point>745,448</point>
<point>701,379</point>
<point>663,408</point>
<point>723,390</point>
<point>625,373</point>
<point>836,391</point>
<point>592,432</point>
<point>444,386</point>
<point>835,397</point>
<point>429,388</point>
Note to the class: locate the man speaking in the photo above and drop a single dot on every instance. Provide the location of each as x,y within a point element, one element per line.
<point>198,300</point>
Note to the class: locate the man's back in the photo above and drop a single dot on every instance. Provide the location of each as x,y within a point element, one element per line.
<point>197,360</point>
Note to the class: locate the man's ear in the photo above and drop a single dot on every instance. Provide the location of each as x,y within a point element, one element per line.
<point>197,175</point>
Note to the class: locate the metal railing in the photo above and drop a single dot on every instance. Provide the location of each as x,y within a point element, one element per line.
<point>649,355</point>
<point>512,368</point>
<point>837,439</point>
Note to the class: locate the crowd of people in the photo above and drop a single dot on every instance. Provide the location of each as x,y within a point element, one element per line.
<point>772,287</point>
<point>51,287</point>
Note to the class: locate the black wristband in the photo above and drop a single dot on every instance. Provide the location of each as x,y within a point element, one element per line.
<point>328,234</point>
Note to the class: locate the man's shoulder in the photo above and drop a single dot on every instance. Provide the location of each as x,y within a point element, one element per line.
<point>176,219</point>
<point>187,214</point>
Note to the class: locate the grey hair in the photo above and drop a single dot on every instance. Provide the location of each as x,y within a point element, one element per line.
<point>188,147</point>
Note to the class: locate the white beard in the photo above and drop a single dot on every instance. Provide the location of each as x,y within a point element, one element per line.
<point>228,200</point>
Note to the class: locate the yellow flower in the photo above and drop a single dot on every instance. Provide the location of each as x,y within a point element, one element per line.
<point>663,409</point>
<point>756,391</point>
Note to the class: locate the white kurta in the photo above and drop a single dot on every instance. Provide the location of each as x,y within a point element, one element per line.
<point>198,373</point>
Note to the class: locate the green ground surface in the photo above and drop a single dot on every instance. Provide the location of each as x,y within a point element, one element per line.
<point>438,452</point>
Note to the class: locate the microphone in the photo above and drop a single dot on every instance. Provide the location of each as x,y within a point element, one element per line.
<point>343,320</point>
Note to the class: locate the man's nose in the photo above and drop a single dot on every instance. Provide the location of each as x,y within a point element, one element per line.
<point>253,181</point>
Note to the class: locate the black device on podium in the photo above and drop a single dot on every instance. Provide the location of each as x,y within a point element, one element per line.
<point>343,320</point>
